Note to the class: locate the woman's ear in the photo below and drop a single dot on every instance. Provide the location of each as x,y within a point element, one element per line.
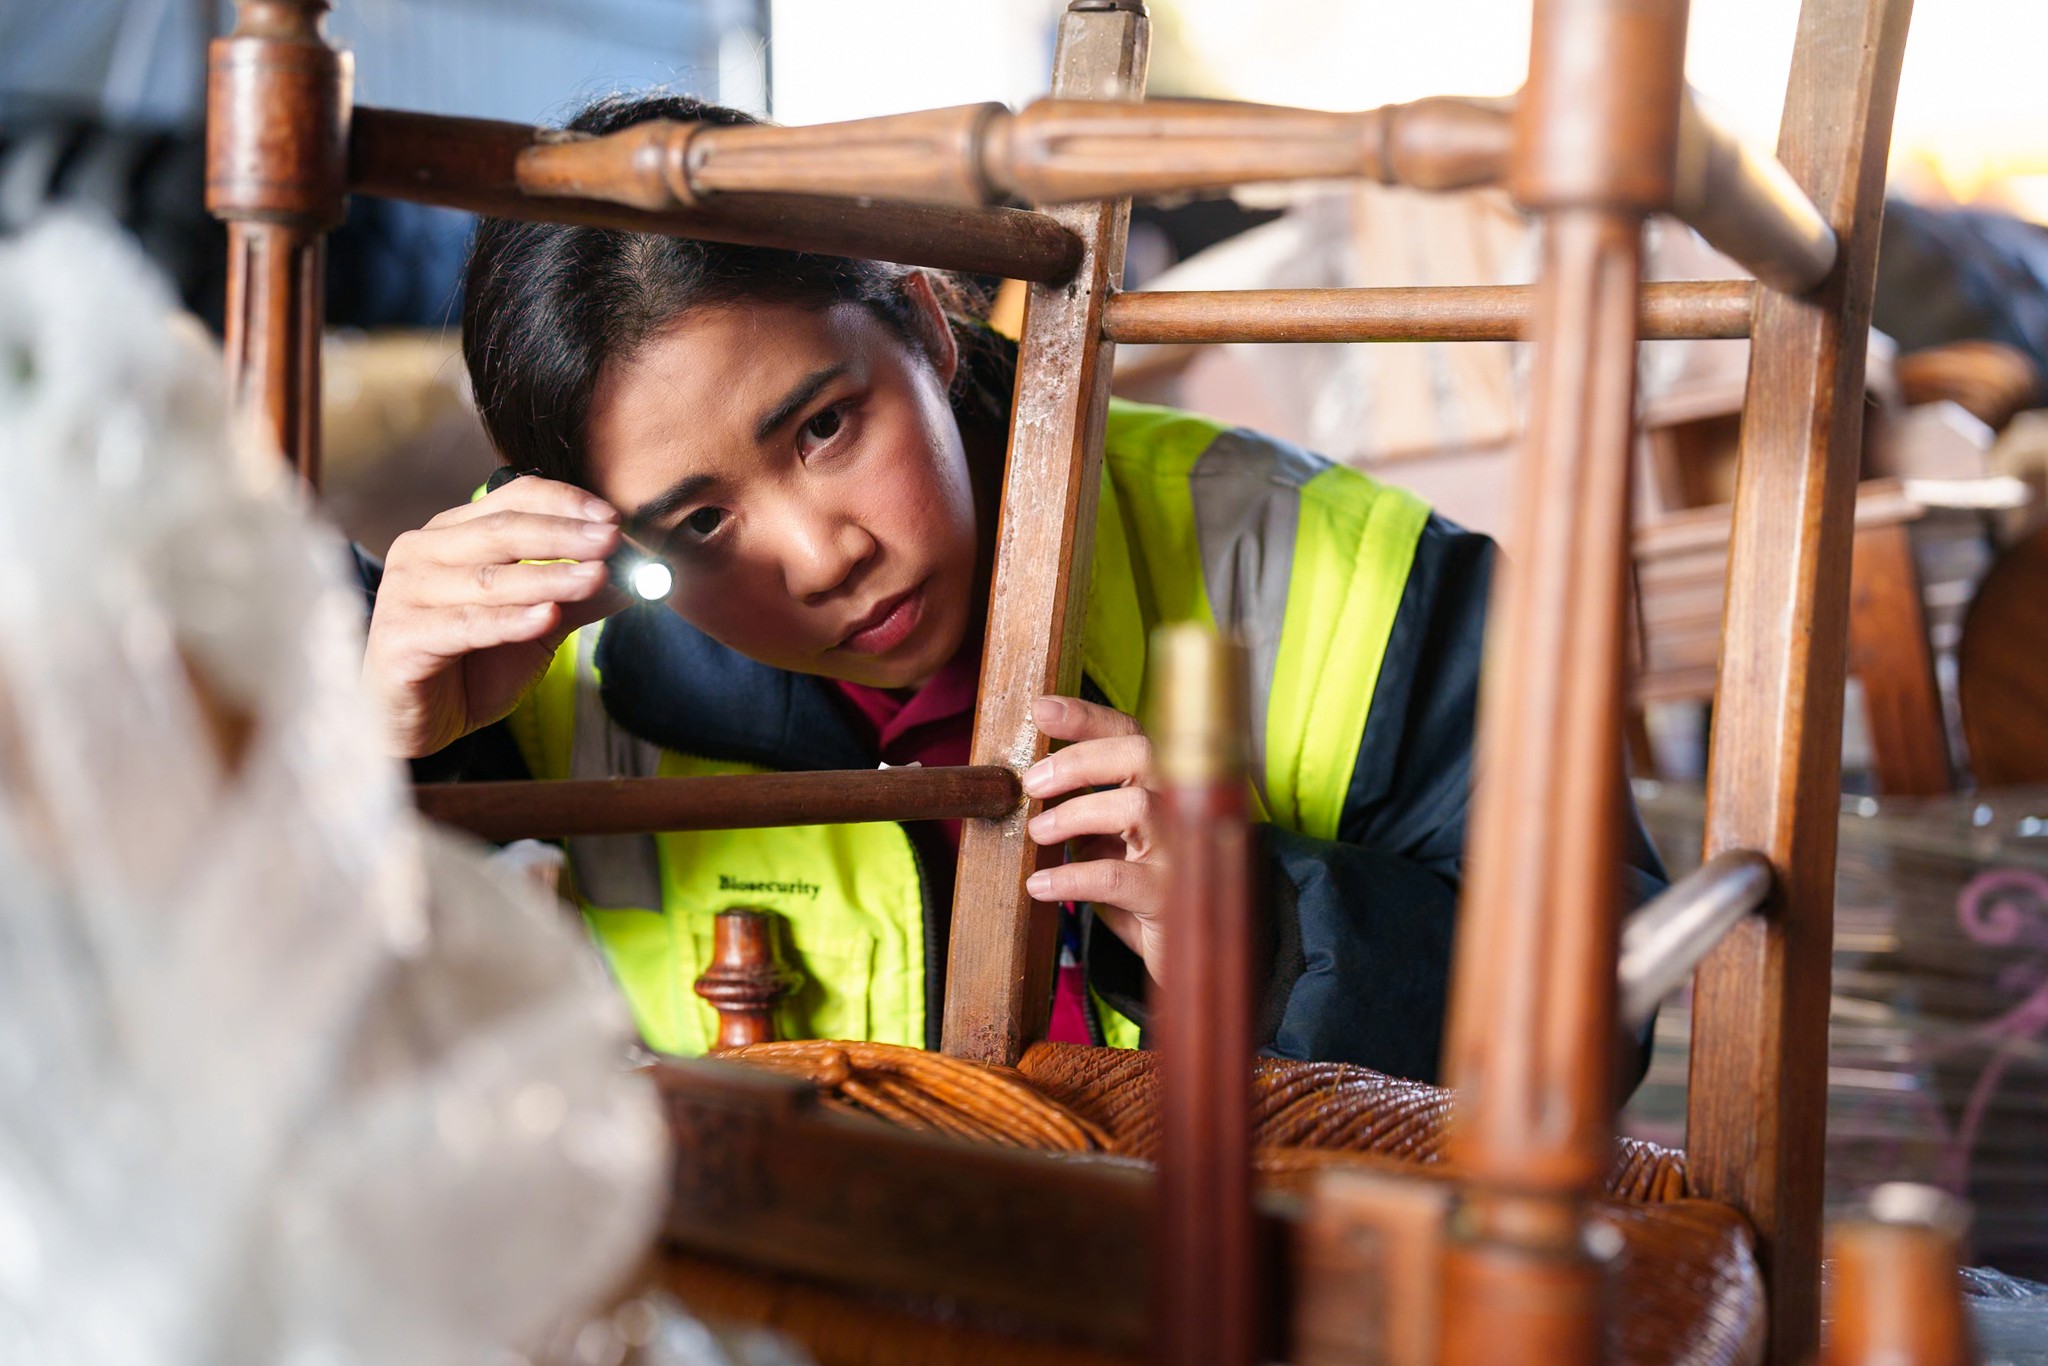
<point>933,328</point>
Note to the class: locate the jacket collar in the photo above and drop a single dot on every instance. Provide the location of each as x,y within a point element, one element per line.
<point>669,683</point>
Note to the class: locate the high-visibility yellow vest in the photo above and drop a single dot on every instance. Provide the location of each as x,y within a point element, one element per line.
<point>1303,560</point>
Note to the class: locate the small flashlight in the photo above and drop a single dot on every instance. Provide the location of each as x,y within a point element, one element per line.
<point>639,574</point>
<point>633,571</point>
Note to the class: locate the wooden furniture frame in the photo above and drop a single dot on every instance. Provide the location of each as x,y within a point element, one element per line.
<point>1602,136</point>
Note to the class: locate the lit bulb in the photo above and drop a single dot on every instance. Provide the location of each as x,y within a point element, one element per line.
<point>651,580</point>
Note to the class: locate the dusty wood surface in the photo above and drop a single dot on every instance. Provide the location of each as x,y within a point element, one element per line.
<point>1760,1002</point>
<point>1000,965</point>
<point>471,164</point>
<point>1684,308</point>
<point>838,1327</point>
<point>766,1179</point>
<point>560,808</point>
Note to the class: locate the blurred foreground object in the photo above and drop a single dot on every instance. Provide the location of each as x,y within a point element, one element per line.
<point>284,1076</point>
<point>1895,1297</point>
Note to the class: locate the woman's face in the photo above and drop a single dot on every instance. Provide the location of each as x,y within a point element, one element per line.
<point>804,473</point>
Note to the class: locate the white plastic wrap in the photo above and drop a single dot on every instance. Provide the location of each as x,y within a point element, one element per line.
<point>284,1076</point>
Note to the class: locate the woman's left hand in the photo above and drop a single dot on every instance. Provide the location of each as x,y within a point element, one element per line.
<point>1114,861</point>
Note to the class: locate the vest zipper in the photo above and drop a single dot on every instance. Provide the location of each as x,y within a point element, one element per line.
<point>934,943</point>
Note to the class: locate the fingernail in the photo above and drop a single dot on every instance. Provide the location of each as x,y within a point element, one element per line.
<point>599,510</point>
<point>1037,778</point>
<point>1038,825</point>
<point>597,531</point>
<point>1048,711</point>
<point>1039,885</point>
<point>539,611</point>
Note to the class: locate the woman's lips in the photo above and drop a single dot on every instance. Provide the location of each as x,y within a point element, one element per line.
<point>888,626</point>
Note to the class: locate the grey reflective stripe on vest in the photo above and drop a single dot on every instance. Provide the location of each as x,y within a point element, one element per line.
<point>1246,490</point>
<point>613,871</point>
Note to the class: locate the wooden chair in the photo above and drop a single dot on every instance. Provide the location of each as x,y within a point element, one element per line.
<point>1504,1256</point>
<point>1681,569</point>
<point>2000,683</point>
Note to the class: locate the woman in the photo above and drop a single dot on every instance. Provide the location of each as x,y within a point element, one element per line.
<point>816,444</point>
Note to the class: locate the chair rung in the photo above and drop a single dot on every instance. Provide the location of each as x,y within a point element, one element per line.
<point>469,164</point>
<point>1668,936</point>
<point>558,809</point>
<point>1692,308</point>
<point>1748,207</point>
<point>1053,151</point>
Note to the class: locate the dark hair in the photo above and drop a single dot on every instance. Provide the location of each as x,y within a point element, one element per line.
<point>547,306</point>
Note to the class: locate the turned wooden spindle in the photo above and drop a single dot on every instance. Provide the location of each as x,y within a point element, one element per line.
<point>747,978</point>
<point>278,96</point>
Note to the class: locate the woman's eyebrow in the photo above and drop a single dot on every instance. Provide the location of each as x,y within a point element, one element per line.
<point>794,401</point>
<point>680,493</point>
<point>656,510</point>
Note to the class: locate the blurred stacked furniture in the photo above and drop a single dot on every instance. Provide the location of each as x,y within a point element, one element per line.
<point>1941,490</point>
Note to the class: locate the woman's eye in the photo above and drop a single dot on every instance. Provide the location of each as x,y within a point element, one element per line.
<point>704,521</point>
<point>825,425</point>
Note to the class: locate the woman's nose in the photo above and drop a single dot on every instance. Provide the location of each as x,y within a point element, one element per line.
<point>822,554</point>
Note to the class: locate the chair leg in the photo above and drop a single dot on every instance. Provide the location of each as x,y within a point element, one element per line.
<point>1756,1109</point>
<point>999,970</point>
<point>276,150</point>
<point>1890,655</point>
<point>1533,1001</point>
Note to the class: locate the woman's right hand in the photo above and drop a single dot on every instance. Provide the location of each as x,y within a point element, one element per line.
<point>462,626</point>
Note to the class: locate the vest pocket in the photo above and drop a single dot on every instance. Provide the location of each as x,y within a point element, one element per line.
<point>640,949</point>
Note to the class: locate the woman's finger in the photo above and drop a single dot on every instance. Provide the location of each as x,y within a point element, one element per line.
<point>506,537</point>
<point>1069,718</point>
<point>1124,812</point>
<point>450,632</point>
<point>1090,763</point>
<point>532,494</point>
<point>1135,887</point>
<point>497,584</point>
